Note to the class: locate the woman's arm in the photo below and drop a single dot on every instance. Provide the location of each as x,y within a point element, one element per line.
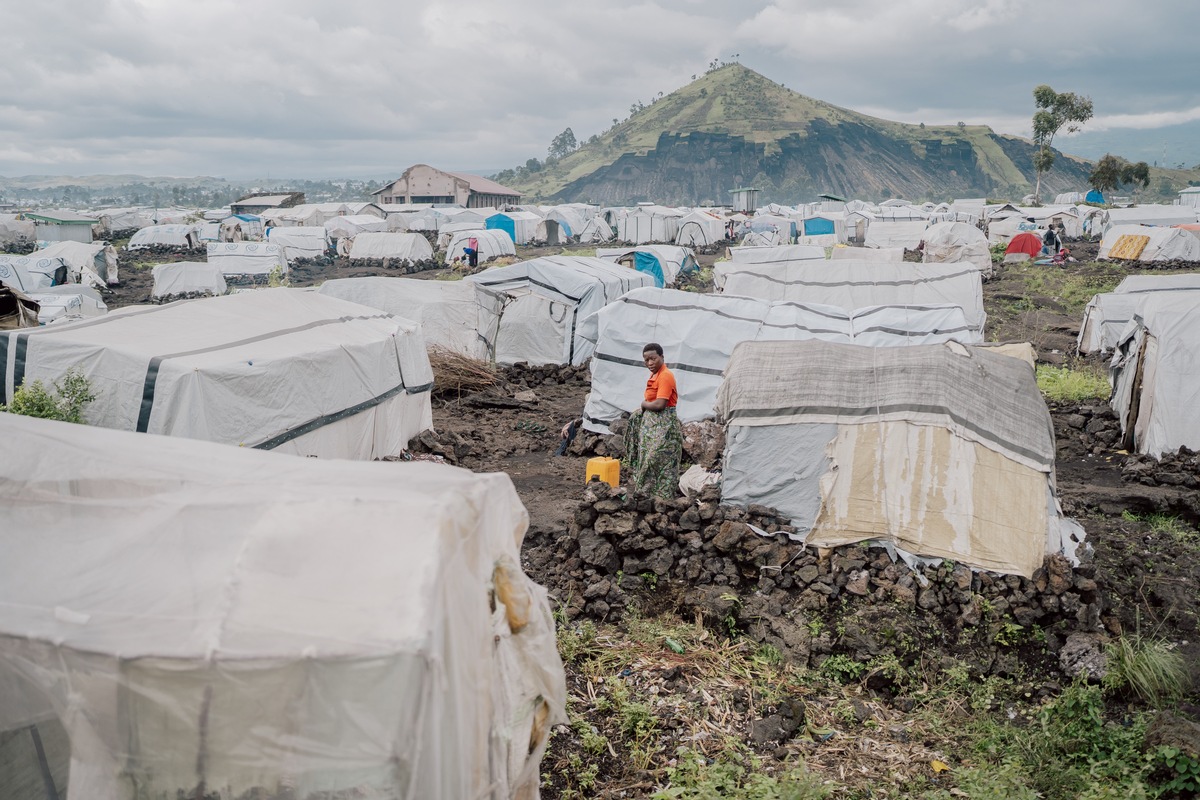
<point>654,405</point>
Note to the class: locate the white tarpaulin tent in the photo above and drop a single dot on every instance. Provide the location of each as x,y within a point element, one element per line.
<point>699,331</point>
<point>300,241</point>
<point>1156,386</point>
<point>1149,243</point>
<point>596,230</point>
<point>33,272</point>
<point>188,277</point>
<point>1106,315</point>
<point>766,257</point>
<point>649,223</point>
<point>200,620</point>
<point>68,302</point>
<point>94,264</point>
<point>906,233</point>
<point>699,229</point>
<point>489,244</point>
<point>411,247</point>
<point>16,231</point>
<point>344,227</point>
<point>448,311</point>
<point>923,447</point>
<point>284,369</point>
<point>183,237</point>
<point>894,254</point>
<point>857,284</point>
<point>663,261</point>
<point>1151,214</point>
<point>246,258</point>
<point>955,243</point>
<point>533,309</point>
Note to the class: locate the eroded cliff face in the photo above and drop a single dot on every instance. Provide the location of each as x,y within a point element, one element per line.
<point>847,159</point>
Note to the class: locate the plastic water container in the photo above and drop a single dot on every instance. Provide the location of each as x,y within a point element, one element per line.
<point>604,468</point>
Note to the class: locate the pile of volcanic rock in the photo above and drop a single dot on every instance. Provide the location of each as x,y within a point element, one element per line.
<point>738,568</point>
<point>1095,427</point>
<point>400,266</point>
<point>525,376</point>
<point>165,250</point>
<point>1181,468</point>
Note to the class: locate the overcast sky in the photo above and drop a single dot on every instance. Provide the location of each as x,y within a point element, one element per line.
<point>311,88</point>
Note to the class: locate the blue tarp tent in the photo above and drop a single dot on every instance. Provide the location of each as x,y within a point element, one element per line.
<point>816,226</point>
<point>1094,197</point>
<point>649,264</point>
<point>502,222</point>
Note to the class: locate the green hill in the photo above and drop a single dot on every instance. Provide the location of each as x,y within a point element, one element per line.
<point>733,127</point>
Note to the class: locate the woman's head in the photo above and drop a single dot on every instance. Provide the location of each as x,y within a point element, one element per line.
<point>652,356</point>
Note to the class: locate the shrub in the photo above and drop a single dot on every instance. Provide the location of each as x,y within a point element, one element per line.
<point>1150,668</point>
<point>64,402</point>
<point>1062,384</point>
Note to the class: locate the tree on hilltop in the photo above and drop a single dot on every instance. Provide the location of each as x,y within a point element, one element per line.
<point>563,145</point>
<point>1055,110</point>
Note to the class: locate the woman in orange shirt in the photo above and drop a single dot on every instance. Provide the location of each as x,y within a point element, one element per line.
<point>654,441</point>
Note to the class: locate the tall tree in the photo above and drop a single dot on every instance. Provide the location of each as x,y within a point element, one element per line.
<point>1054,111</point>
<point>563,144</point>
<point>1107,175</point>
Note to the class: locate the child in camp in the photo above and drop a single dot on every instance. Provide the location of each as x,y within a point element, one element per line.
<point>654,442</point>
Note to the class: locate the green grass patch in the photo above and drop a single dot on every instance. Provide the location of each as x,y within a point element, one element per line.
<point>1065,385</point>
<point>1150,668</point>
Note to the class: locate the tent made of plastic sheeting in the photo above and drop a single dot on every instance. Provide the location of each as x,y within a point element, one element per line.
<point>411,247</point>
<point>906,233</point>
<point>346,227</point>
<point>1108,315</point>
<point>900,213</point>
<point>448,311</point>
<point>489,244</point>
<point>246,258</point>
<point>93,264</point>
<point>827,224</point>
<point>663,262</point>
<point>276,369</point>
<point>521,226</point>
<point>649,224</point>
<point>1148,243</point>
<point>533,309</point>
<point>765,238</point>
<point>1156,386</point>
<point>300,242</point>
<point>596,231</point>
<point>943,451</point>
<point>69,302</point>
<point>1151,215</point>
<point>1069,198</point>
<point>858,284</point>
<point>893,254</point>
<point>699,229</point>
<point>16,231</point>
<point>559,225</point>
<point>119,220</point>
<point>181,278</point>
<point>957,243</point>
<point>30,273</point>
<point>233,619</point>
<point>768,257</point>
<point>17,309</point>
<point>183,237</point>
<point>699,331</point>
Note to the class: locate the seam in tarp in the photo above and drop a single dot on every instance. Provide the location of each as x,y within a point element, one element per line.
<point>632,363</point>
<point>328,419</point>
<point>854,283</point>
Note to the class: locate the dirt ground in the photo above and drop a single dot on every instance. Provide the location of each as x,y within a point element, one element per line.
<point>1151,567</point>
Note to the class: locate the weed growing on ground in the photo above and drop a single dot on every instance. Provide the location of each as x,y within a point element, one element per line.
<point>1065,385</point>
<point>63,402</point>
<point>1150,668</point>
<point>1166,525</point>
<point>737,774</point>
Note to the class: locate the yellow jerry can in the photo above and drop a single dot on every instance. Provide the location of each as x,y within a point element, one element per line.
<point>605,469</point>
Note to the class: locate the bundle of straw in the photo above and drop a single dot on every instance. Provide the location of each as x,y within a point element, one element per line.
<point>455,373</point>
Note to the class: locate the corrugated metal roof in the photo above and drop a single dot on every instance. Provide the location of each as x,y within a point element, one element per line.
<point>483,185</point>
<point>265,200</point>
<point>61,218</point>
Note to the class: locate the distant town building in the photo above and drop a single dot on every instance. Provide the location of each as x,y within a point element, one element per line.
<point>745,200</point>
<point>1190,196</point>
<point>62,226</point>
<point>258,203</point>
<point>422,183</point>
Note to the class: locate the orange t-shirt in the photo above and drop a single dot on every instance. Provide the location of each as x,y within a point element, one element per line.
<point>662,384</point>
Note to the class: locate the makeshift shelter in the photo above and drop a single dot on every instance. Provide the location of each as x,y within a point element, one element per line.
<point>906,233</point>
<point>649,224</point>
<point>892,254</point>
<point>858,284</point>
<point>521,226</point>
<point>943,450</point>
<point>700,229</point>
<point>235,623</point>
<point>663,262</point>
<point>1154,375</point>
<point>15,231</point>
<point>1151,214</point>
<point>17,309</point>
<point>699,331</point>
<point>768,258</point>
<point>1148,244</point>
<point>70,301</point>
<point>276,369</point>
<point>1023,247</point>
<point>410,247</point>
<point>448,312</point>
<point>559,225</point>
<point>246,258</point>
<point>957,242</point>
<point>532,310</point>
<point>181,278</point>
<point>596,230</point>
<point>181,237</point>
<point>120,220</point>
<point>347,227</point>
<point>489,244</point>
<point>94,264</point>
<point>300,242</point>
<point>30,273</point>
<point>1107,314</point>
<point>1094,196</point>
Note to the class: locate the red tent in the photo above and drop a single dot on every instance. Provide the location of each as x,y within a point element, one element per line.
<point>1028,243</point>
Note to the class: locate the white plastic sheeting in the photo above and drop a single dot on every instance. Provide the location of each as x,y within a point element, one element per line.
<point>533,309</point>
<point>203,616</point>
<point>300,241</point>
<point>672,259</point>
<point>94,264</point>
<point>699,229</point>
<point>490,244</point>
<point>68,302</point>
<point>893,254</point>
<point>1166,244</point>
<point>926,448</point>
<point>906,233</point>
<point>277,369</point>
<point>410,247</point>
<point>1151,214</point>
<point>13,230</point>
<point>186,237</point>
<point>596,230</point>
<point>649,224</point>
<point>188,277</point>
<point>246,258</point>
<point>448,311</point>
<point>1106,315</point>
<point>1156,386</point>
<point>343,227</point>
<point>765,256</point>
<point>699,331</point>
<point>958,242</point>
<point>30,273</point>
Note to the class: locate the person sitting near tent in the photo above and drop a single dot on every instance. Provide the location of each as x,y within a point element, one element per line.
<point>654,440</point>
<point>1063,256</point>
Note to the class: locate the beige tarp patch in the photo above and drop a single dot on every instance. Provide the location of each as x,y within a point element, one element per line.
<point>1129,247</point>
<point>932,493</point>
